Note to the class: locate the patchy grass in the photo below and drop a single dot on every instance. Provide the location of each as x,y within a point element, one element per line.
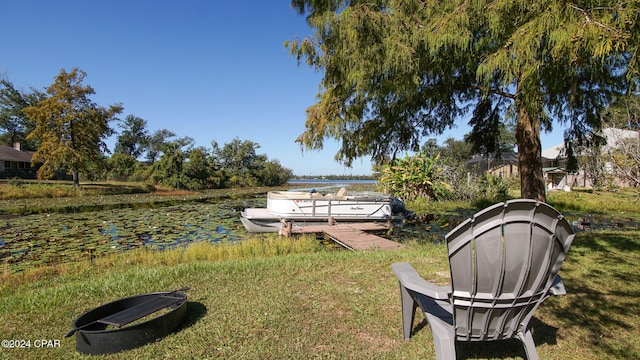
<point>600,316</point>
<point>260,302</point>
<point>267,245</point>
<point>270,297</point>
<point>22,189</point>
<point>329,304</point>
<point>620,202</point>
<point>38,198</point>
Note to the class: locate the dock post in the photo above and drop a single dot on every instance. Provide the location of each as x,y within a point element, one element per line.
<point>285,228</point>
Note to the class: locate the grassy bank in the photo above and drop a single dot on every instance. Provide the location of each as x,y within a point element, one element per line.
<point>278,298</point>
<point>43,197</point>
<point>310,303</point>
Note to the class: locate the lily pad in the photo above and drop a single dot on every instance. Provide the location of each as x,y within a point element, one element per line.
<point>35,239</point>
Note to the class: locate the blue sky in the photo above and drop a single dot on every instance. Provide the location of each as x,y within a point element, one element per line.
<point>210,70</point>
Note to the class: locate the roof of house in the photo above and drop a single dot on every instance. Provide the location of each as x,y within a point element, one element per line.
<point>555,170</point>
<point>505,158</point>
<point>612,135</point>
<point>553,152</point>
<point>7,153</point>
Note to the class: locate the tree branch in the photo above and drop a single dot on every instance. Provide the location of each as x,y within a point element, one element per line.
<point>588,19</point>
<point>497,92</point>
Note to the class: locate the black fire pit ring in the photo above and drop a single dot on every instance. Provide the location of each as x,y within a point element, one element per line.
<point>94,337</point>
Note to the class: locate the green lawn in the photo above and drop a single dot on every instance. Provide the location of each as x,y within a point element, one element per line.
<point>321,304</point>
<point>278,298</point>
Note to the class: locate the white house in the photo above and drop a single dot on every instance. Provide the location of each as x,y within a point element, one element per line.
<point>555,160</point>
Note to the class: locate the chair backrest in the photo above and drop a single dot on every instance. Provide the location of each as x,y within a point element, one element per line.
<point>503,262</point>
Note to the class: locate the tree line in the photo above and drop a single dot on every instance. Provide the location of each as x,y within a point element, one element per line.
<point>67,132</point>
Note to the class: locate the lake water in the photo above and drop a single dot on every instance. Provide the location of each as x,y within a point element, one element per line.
<point>43,239</point>
<point>332,182</point>
<point>329,185</point>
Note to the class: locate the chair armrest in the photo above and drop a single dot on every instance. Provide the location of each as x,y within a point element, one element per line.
<point>557,287</point>
<point>410,279</point>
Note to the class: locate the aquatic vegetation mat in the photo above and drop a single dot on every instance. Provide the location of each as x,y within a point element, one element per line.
<point>44,239</point>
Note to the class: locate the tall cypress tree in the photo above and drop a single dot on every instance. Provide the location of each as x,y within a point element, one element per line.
<point>399,70</point>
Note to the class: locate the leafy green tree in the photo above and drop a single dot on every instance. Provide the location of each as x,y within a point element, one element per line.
<point>96,169</point>
<point>456,152</point>
<point>156,143</point>
<point>625,112</point>
<point>274,174</point>
<point>238,156</point>
<point>241,162</point>
<point>491,138</point>
<point>430,147</point>
<point>121,166</point>
<point>243,166</point>
<point>134,137</point>
<point>198,169</point>
<point>70,128</point>
<point>14,124</point>
<point>168,170</point>
<point>398,70</point>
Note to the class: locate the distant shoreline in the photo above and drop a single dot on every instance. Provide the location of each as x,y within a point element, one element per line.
<point>332,181</point>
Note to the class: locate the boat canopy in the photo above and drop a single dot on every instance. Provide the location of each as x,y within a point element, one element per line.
<point>313,195</point>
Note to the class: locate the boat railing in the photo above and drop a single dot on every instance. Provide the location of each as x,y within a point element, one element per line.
<point>296,195</point>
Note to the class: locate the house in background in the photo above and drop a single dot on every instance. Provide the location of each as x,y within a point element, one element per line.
<point>505,166</point>
<point>554,168</point>
<point>16,163</point>
<point>555,161</point>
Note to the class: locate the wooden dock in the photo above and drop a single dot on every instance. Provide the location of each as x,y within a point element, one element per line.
<point>351,236</point>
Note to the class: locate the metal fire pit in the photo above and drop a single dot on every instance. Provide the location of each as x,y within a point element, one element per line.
<point>93,337</point>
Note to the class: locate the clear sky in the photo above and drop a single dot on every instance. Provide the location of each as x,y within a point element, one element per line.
<point>210,70</point>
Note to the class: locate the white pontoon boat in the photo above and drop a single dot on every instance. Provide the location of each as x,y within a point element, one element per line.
<point>306,208</point>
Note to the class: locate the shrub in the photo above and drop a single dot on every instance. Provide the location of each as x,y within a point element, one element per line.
<point>492,189</point>
<point>16,181</point>
<point>415,177</point>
